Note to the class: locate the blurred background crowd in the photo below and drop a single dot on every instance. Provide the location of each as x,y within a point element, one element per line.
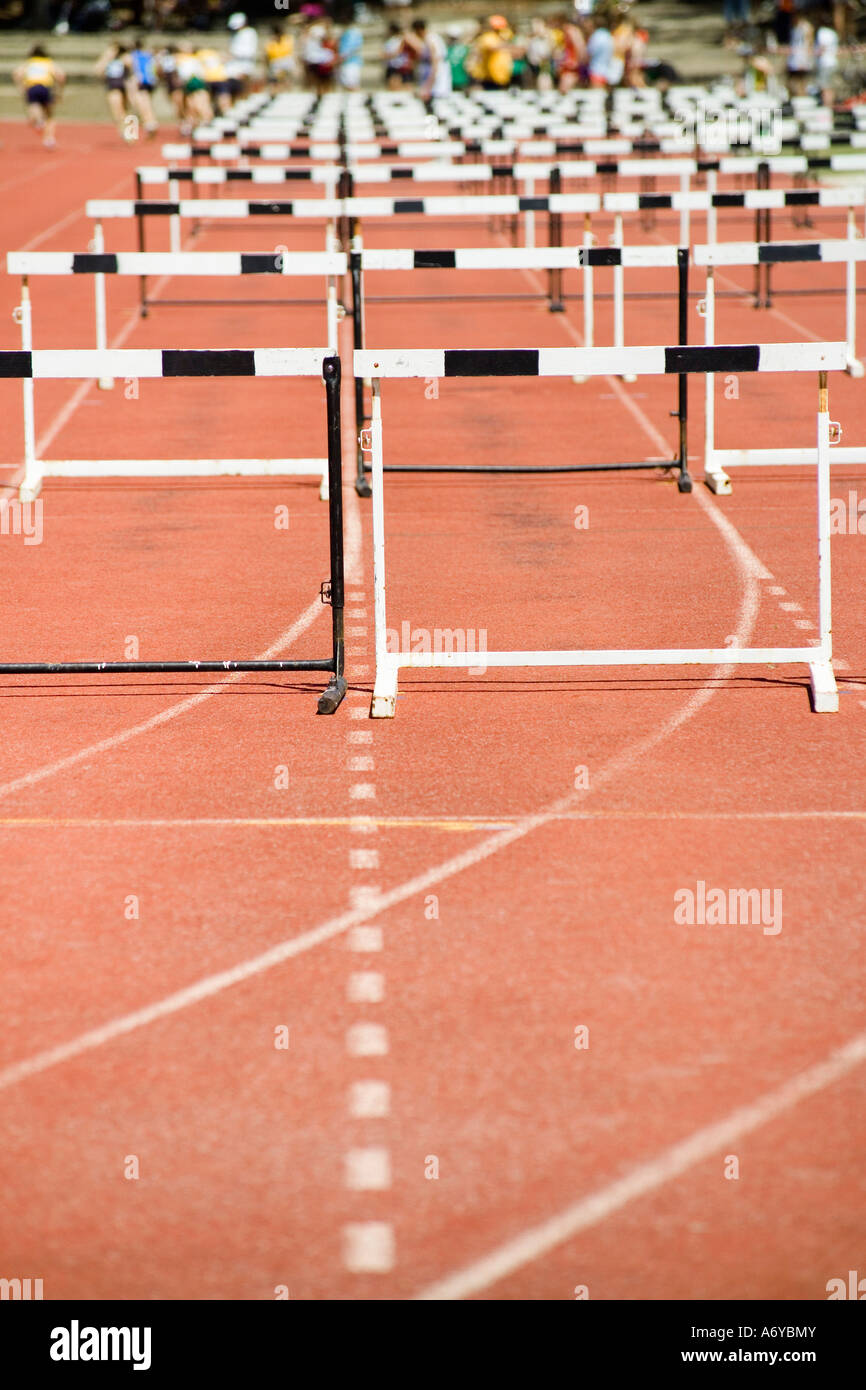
<point>186,60</point>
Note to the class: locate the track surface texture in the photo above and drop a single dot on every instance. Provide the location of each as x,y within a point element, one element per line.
<point>433,907</point>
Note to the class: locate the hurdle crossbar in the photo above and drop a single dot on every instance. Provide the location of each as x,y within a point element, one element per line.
<point>568,362</point>
<point>66,364</point>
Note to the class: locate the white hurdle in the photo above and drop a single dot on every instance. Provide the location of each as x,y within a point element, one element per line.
<point>847,252</point>
<point>36,468</point>
<point>435,363</point>
<point>329,264</point>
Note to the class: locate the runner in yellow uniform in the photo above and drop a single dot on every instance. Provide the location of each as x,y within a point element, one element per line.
<point>213,71</point>
<point>41,81</point>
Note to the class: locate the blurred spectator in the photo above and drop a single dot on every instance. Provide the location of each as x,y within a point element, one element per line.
<point>801,56</point>
<point>399,58</point>
<point>350,55</point>
<point>492,62</point>
<point>571,58</point>
<point>319,55</point>
<point>243,51</point>
<point>432,70</point>
<point>538,50</point>
<point>605,68</point>
<point>826,58</point>
<point>279,55</point>
<point>457,54</point>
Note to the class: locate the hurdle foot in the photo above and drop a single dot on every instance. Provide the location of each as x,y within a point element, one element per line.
<point>106,383</point>
<point>332,695</point>
<point>384,703</point>
<point>28,492</point>
<point>556,308</point>
<point>363,488</point>
<point>580,380</point>
<point>628,378</point>
<point>719,483</point>
<point>854,367</point>
<point>684,482</point>
<point>825,692</point>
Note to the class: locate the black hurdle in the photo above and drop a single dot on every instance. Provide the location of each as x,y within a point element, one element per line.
<point>362,487</point>
<point>684,481</point>
<point>680,462</point>
<point>139,217</point>
<point>332,592</point>
<point>763,218</point>
<point>554,238</point>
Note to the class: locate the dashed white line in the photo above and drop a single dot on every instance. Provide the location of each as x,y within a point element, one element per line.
<point>368,1170</point>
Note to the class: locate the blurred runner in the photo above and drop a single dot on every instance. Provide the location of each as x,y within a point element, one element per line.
<point>41,81</point>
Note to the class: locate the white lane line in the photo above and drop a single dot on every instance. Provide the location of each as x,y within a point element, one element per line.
<point>360,764</point>
<point>366,987</point>
<point>362,791</point>
<point>365,939</point>
<point>363,859</point>
<point>367,1040</point>
<point>368,1247</point>
<point>368,1170</point>
<point>647,1177</point>
<point>369,1100</point>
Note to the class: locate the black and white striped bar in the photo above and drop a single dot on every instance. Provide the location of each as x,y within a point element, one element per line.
<point>518,258</point>
<point>43,364</point>
<point>833,252</point>
<point>605,361</point>
<point>216,263</point>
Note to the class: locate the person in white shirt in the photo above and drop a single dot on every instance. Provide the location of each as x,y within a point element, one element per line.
<point>826,59</point>
<point>243,51</point>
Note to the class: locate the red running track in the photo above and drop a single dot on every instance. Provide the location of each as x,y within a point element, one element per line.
<point>513,908</point>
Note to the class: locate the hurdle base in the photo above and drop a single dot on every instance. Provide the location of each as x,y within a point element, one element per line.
<point>684,482</point>
<point>176,468</point>
<point>106,383</point>
<point>825,692</point>
<point>332,696</point>
<point>363,488</point>
<point>718,482</point>
<point>854,367</point>
<point>384,702</point>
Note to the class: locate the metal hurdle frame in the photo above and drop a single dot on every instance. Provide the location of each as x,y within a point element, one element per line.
<point>29,263</point>
<point>245,362</point>
<point>553,259</point>
<point>567,362</point>
<point>846,252</point>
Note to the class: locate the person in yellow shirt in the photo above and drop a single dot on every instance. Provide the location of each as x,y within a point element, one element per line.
<point>279,53</point>
<point>41,81</point>
<point>492,62</point>
<point>215,76</point>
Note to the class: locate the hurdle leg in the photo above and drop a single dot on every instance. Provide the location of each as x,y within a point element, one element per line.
<point>684,482</point>
<point>336,688</point>
<point>619,295</point>
<point>588,301</point>
<point>32,480</point>
<point>685,224</point>
<point>529,215</point>
<point>384,704</point>
<point>554,238</point>
<point>362,485</point>
<point>714,477</point>
<point>825,694</point>
<point>854,365</point>
<point>105,383</point>
<point>174,240</point>
<point>712,188</point>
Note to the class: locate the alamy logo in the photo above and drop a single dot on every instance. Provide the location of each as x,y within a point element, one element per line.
<point>855,1289</point>
<point>440,639</point>
<point>848,517</point>
<point>729,907</point>
<point>21,1289</point>
<point>22,519</point>
<point>76,1343</point>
